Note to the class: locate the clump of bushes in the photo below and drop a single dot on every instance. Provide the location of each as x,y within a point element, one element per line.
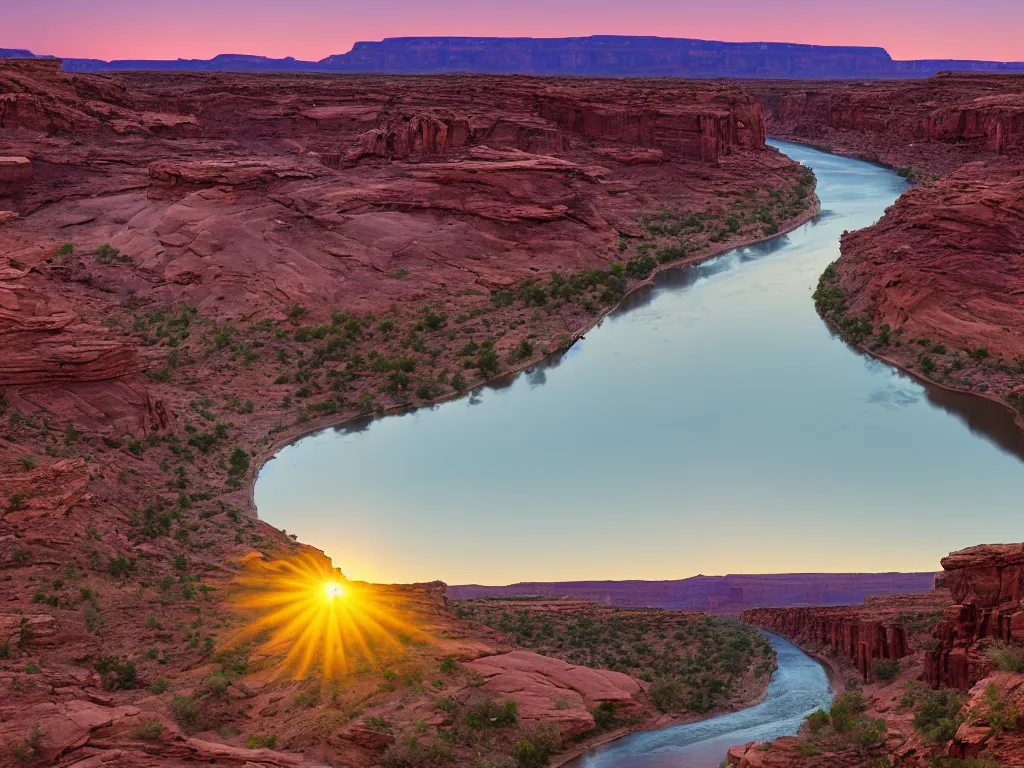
<point>1006,657</point>
<point>885,669</point>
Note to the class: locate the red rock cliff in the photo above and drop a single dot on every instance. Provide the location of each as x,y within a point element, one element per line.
<point>987,583</point>
<point>876,630</point>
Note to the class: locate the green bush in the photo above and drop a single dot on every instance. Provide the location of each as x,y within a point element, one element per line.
<point>1006,657</point>
<point>262,741</point>
<point>885,669</point>
<point>536,750</point>
<point>490,714</point>
<point>818,719</point>
<point>844,711</point>
<point>869,731</point>
<point>667,693</point>
<point>935,716</point>
<point>118,674</point>
<point>150,730</point>
<point>186,712</point>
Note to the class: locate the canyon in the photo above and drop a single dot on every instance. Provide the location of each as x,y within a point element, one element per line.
<point>962,640</point>
<point>196,270</point>
<point>934,286</point>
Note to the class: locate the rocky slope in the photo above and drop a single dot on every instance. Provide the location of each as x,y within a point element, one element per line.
<point>194,270</point>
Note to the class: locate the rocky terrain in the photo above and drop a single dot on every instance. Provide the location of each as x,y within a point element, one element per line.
<point>197,269</point>
<point>695,664</point>
<point>935,286</point>
<point>932,679</point>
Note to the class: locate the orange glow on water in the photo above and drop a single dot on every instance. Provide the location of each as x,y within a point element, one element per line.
<point>306,615</point>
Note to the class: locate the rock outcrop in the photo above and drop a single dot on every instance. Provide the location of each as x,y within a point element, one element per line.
<point>932,125</point>
<point>987,584</point>
<point>880,629</point>
<point>552,691</point>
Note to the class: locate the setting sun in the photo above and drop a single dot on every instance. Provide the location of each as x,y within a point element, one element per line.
<point>334,590</point>
<point>306,614</point>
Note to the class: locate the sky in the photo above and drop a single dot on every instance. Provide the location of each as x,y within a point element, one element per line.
<point>314,29</point>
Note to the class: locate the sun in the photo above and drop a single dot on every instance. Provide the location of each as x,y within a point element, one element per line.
<point>302,614</point>
<point>334,590</point>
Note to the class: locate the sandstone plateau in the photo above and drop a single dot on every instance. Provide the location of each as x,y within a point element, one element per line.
<point>196,269</point>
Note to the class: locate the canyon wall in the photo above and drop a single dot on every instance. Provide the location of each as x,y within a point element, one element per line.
<point>933,125</point>
<point>719,594</point>
<point>882,628</point>
<point>935,286</point>
<point>987,585</point>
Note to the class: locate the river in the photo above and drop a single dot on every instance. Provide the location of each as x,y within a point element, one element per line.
<point>712,424</point>
<point>798,687</point>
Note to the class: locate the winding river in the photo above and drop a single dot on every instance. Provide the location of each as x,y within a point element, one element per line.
<point>712,424</point>
<point>798,687</point>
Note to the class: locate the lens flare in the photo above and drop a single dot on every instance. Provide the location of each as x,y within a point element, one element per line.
<point>304,615</point>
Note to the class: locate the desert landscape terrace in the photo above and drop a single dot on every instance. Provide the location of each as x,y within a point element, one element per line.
<point>275,333</point>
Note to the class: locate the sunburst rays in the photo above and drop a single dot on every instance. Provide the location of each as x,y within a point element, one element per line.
<point>304,613</point>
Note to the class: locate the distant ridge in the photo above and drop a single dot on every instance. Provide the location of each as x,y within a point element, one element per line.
<point>598,55</point>
<point>719,594</point>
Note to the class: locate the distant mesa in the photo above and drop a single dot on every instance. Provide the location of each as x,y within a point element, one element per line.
<point>719,594</point>
<point>598,55</point>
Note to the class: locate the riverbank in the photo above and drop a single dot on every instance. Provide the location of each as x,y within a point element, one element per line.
<point>292,434</point>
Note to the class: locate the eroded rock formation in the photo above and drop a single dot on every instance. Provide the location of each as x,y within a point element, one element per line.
<point>860,634</point>
<point>987,585</point>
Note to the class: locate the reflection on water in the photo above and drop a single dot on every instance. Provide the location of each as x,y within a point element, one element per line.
<point>798,687</point>
<point>713,424</point>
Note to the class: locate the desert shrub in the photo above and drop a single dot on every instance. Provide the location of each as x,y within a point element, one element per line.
<point>640,267</point>
<point>536,749</point>
<point>955,762</point>
<point>818,719</point>
<point>935,715</point>
<point>667,693</point>
<point>186,712</point>
<point>118,674</point>
<point>262,741</point>
<point>885,669</point>
<point>1006,657</point>
<point>605,715</point>
<point>844,711</point>
<point>490,713</point>
<point>379,724</point>
<point>412,753</point>
<point>869,731</point>
<point>149,730</point>
<point>28,750</point>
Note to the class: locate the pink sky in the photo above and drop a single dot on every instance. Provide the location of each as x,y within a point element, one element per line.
<point>313,29</point>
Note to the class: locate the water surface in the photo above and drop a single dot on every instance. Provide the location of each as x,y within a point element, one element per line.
<point>798,687</point>
<point>712,425</point>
